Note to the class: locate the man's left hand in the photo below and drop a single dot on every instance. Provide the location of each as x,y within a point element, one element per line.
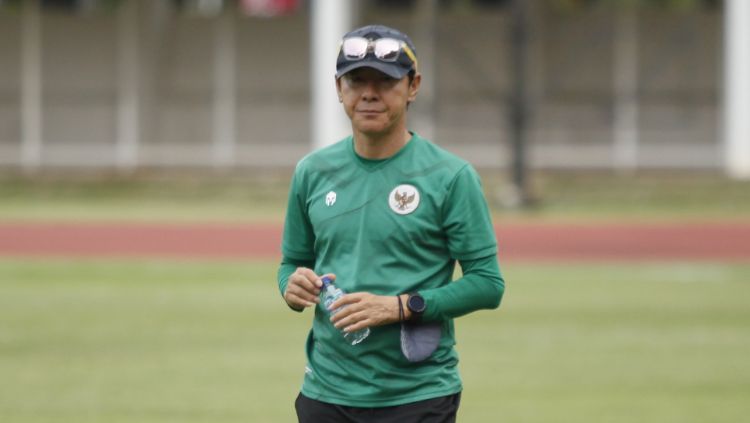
<point>365,310</point>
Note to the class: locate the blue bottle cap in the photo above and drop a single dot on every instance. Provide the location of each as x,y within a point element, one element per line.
<point>326,280</point>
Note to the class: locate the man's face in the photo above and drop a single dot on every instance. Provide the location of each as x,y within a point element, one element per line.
<point>375,102</point>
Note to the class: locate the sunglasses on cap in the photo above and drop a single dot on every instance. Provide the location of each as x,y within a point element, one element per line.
<point>384,49</point>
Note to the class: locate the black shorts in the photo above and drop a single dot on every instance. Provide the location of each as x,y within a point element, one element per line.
<point>435,410</point>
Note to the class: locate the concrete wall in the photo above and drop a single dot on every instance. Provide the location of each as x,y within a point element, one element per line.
<point>572,87</point>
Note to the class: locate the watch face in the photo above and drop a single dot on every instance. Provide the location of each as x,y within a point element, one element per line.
<point>416,303</point>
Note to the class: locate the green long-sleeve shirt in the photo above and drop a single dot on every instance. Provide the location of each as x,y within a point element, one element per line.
<point>389,227</point>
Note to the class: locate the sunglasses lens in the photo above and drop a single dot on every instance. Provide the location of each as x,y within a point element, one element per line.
<point>354,48</point>
<point>387,49</point>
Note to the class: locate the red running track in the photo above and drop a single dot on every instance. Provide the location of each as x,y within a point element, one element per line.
<point>518,241</point>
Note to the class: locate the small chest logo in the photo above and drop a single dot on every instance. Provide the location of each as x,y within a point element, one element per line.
<point>404,199</point>
<point>330,198</point>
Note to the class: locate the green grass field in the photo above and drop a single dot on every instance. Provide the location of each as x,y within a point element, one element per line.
<point>141,341</point>
<point>178,341</point>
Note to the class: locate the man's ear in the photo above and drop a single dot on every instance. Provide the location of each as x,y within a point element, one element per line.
<point>414,86</point>
<point>338,88</point>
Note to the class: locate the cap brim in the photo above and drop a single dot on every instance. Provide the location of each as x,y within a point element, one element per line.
<point>391,69</point>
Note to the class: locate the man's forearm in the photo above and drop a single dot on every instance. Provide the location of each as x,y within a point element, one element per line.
<point>481,287</point>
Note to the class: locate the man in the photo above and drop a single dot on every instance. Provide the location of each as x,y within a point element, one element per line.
<point>386,214</point>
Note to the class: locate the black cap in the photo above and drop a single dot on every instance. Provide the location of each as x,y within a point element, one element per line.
<point>398,69</point>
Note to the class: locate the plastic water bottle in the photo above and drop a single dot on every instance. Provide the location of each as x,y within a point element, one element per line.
<point>328,295</point>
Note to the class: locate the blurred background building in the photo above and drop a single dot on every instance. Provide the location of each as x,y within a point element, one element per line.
<point>210,83</point>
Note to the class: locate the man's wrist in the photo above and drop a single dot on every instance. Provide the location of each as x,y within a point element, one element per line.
<point>407,313</point>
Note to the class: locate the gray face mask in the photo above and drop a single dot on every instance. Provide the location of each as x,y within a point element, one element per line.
<point>420,340</point>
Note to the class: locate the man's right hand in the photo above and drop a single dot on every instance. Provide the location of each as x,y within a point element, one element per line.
<point>303,288</point>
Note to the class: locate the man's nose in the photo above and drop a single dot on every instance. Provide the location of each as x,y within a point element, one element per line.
<point>370,90</point>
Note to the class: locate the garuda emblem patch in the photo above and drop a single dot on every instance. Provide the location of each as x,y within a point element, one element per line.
<point>404,199</point>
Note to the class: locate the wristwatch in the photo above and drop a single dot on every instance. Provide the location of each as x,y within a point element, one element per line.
<point>416,305</point>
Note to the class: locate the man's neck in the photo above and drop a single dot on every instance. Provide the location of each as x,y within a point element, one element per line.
<point>380,146</point>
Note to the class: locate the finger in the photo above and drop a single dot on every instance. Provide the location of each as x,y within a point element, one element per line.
<point>292,296</point>
<point>306,273</point>
<point>305,290</point>
<point>362,324</point>
<point>303,294</point>
<point>358,325</point>
<point>347,300</point>
<point>309,275</point>
<point>351,319</point>
<point>302,287</point>
<point>297,302</point>
<point>341,313</point>
<point>303,282</point>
